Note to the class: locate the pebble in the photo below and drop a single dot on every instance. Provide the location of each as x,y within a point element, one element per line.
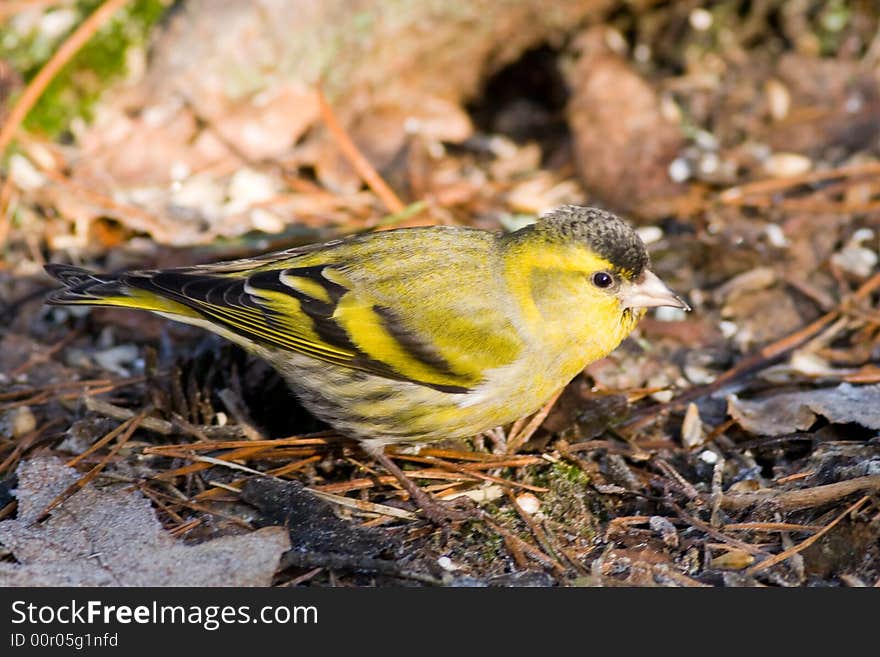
<point>22,421</point>
<point>529,503</point>
<point>778,99</point>
<point>787,165</point>
<point>692,432</point>
<point>679,170</point>
<point>708,456</point>
<point>700,19</point>
<point>776,236</point>
<point>446,564</point>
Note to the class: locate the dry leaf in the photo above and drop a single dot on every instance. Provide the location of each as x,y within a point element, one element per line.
<point>110,537</point>
<point>797,411</point>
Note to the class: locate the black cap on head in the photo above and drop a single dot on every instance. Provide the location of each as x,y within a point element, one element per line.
<point>605,233</point>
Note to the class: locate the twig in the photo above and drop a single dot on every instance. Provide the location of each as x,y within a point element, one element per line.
<point>50,69</point>
<point>770,527</point>
<point>471,472</point>
<point>363,505</point>
<point>230,400</point>
<point>210,446</point>
<point>802,499</point>
<point>24,443</point>
<point>9,509</point>
<point>353,563</point>
<point>357,160</point>
<point>185,502</point>
<point>157,425</point>
<point>524,546</point>
<point>517,440</point>
<point>714,533</point>
<point>544,538</point>
<point>734,195</point>
<point>803,545</point>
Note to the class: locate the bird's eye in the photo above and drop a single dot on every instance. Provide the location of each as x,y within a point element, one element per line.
<point>602,279</point>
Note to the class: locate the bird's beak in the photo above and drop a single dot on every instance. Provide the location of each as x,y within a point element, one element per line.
<point>649,291</point>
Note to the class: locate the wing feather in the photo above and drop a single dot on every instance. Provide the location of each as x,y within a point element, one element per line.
<point>347,306</point>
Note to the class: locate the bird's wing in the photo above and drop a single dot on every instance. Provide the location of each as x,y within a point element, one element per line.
<point>435,317</point>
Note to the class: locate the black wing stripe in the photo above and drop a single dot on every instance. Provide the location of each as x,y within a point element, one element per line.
<point>417,348</point>
<point>319,312</point>
<point>201,292</point>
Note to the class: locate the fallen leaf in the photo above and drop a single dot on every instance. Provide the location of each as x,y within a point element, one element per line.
<point>313,525</point>
<point>797,411</point>
<point>110,536</point>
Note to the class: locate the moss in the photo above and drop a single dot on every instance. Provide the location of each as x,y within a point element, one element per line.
<point>102,60</point>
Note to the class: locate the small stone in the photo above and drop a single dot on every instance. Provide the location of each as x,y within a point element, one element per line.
<point>709,457</point>
<point>666,529</point>
<point>778,99</point>
<point>700,19</point>
<point>856,260</point>
<point>24,174</point>
<point>692,432</point>
<point>446,564</point>
<point>787,165</point>
<point>679,170</point>
<point>22,421</point>
<point>776,236</point>
<point>115,359</point>
<point>728,329</point>
<point>529,503</point>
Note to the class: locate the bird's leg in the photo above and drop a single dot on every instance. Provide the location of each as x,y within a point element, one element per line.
<point>439,513</point>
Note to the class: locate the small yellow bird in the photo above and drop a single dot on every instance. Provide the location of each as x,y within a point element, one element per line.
<point>414,334</point>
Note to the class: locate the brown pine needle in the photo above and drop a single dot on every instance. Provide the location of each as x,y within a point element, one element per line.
<point>41,80</point>
<point>357,160</point>
<point>770,527</point>
<point>446,465</point>
<point>78,485</point>
<point>512,539</point>
<point>209,446</point>
<point>9,509</point>
<point>5,210</point>
<point>517,440</point>
<point>803,545</point>
<point>24,443</point>
<point>735,195</point>
<point>805,498</point>
<point>242,453</point>
<point>204,509</point>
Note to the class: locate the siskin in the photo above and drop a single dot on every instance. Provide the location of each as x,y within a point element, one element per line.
<point>415,334</point>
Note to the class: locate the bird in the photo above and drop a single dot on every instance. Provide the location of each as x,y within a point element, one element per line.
<point>415,334</point>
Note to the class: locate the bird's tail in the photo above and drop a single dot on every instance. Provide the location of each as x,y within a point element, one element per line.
<point>83,287</point>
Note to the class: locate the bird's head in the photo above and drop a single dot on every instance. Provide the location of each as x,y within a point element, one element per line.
<point>600,254</point>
